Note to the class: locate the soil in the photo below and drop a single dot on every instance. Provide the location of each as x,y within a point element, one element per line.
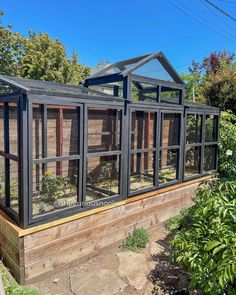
<point>164,276</point>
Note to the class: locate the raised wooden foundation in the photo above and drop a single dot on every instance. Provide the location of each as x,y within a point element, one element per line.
<point>33,253</point>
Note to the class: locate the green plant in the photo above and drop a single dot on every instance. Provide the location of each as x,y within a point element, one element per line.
<point>137,240</point>
<point>105,175</point>
<point>12,288</point>
<point>55,186</point>
<point>205,238</point>
<point>227,146</point>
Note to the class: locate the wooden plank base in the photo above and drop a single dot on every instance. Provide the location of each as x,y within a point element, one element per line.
<point>34,253</point>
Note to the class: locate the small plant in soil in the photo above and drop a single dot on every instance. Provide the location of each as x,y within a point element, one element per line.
<point>137,240</point>
<point>55,186</point>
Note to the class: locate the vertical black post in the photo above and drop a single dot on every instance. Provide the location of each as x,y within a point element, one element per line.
<point>181,96</point>
<point>183,125</point>
<point>6,151</point>
<point>44,135</point>
<point>158,143</point>
<point>157,147</point>
<point>203,143</point>
<point>116,90</point>
<point>23,161</point>
<point>159,93</point>
<point>126,136</point>
<point>85,153</point>
<point>81,153</point>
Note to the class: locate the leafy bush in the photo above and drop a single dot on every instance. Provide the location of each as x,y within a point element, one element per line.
<point>205,238</point>
<point>12,288</point>
<point>227,146</point>
<point>137,240</point>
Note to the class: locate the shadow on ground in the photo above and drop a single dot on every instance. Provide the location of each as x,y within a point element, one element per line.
<point>167,277</point>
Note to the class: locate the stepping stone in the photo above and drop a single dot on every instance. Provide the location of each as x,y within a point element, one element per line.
<point>102,282</point>
<point>133,267</point>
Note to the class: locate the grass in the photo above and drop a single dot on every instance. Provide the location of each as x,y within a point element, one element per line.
<point>12,288</point>
<point>136,241</point>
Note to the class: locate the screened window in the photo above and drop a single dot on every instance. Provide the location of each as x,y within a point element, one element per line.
<point>170,148</point>
<point>103,155</point>
<point>192,160</point>
<point>56,158</point>
<point>193,145</point>
<point>168,165</point>
<point>9,159</point>
<point>103,130</point>
<point>170,95</point>
<point>143,150</point>
<point>211,138</point>
<point>103,177</point>
<point>14,185</point>
<point>211,128</point>
<point>193,128</point>
<point>210,156</point>
<point>144,92</point>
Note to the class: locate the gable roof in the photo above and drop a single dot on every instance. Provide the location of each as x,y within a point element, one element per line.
<point>129,66</point>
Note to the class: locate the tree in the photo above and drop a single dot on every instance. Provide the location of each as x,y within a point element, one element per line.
<point>11,48</point>
<point>45,59</point>
<point>214,81</point>
<point>219,88</point>
<point>38,57</point>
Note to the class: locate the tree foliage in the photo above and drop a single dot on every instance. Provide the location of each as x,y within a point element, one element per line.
<point>205,239</point>
<point>214,81</point>
<point>11,49</point>
<point>38,57</point>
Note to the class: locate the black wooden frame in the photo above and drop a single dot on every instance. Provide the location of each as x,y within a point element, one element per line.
<point>26,98</point>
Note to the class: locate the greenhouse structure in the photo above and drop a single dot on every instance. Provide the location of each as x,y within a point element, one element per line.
<point>68,153</point>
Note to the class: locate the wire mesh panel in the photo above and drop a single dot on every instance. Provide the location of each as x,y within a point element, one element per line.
<point>143,150</point>
<point>210,156</point>
<point>194,144</point>
<point>103,177</point>
<point>9,156</point>
<point>169,158</point>
<point>56,157</point>
<point>168,165</point>
<point>53,191</point>
<point>192,160</point>
<point>13,129</point>
<point>104,150</point>
<point>14,185</point>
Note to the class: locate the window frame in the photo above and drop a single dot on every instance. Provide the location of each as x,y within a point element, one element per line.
<point>143,150</point>
<point>119,153</point>
<point>211,143</point>
<point>178,147</point>
<point>157,146</point>
<point>202,144</point>
<point>8,156</point>
<point>190,145</point>
<point>79,157</point>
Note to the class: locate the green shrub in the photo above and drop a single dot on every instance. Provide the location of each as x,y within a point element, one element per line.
<point>205,239</point>
<point>12,288</point>
<point>227,146</point>
<point>137,240</point>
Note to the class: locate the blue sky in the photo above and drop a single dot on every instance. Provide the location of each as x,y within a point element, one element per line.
<point>115,30</point>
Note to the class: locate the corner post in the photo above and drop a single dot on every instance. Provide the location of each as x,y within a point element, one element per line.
<point>24,140</point>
